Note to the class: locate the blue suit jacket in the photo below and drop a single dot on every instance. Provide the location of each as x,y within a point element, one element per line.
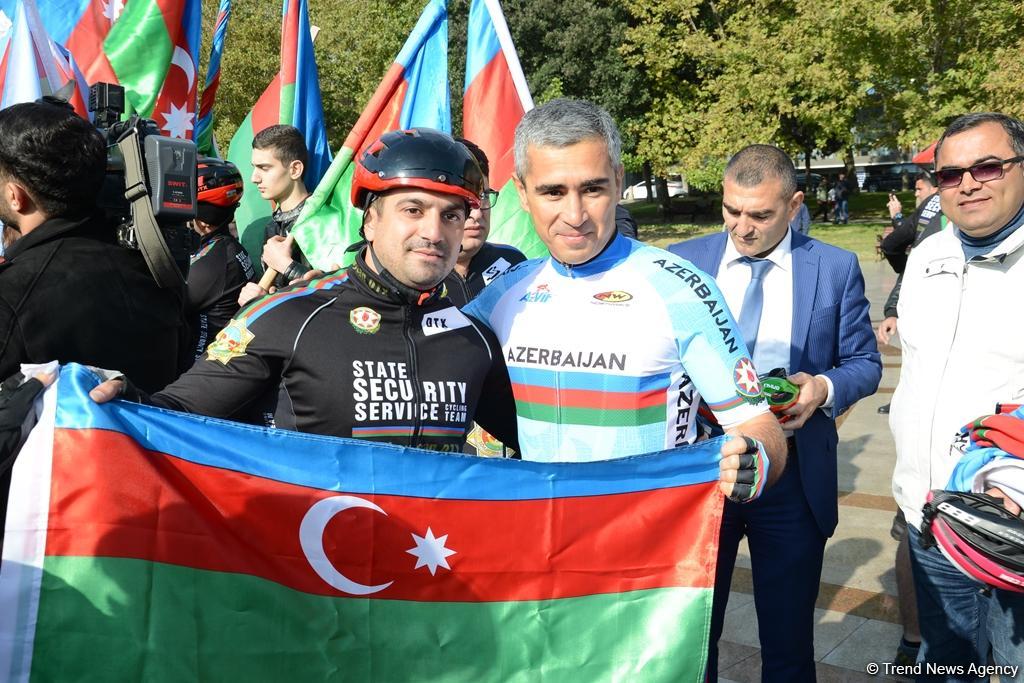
<point>831,336</point>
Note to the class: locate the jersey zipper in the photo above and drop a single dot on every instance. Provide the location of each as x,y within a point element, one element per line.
<point>417,389</point>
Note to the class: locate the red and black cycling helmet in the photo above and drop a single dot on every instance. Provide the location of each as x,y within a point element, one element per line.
<point>219,188</point>
<point>978,536</point>
<point>420,158</point>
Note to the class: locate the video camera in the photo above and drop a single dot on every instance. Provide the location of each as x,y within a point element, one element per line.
<point>149,191</point>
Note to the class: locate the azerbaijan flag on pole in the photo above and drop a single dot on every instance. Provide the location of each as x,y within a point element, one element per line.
<point>412,94</point>
<point>495,99</point>
<point>144,544</point>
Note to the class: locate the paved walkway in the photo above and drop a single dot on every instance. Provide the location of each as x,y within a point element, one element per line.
<point>856,622</point>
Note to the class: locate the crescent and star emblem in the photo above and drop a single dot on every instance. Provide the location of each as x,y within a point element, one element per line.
<point>430,551</point>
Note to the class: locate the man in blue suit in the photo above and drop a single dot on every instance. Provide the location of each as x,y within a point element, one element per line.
<point>801,307</point>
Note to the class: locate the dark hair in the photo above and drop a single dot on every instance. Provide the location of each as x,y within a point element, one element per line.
<point>481,158</point>
<point>756,164</point>
<point>59,157</point>
<point>927,177</point>
<point>1014,129</point>
<point>286,142</point>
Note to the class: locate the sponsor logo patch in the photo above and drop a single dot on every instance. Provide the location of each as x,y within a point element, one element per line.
<point>538,295</point>
<point>364,320</point>
<point>445,320</point>
<point>747,384</point>
<point>614,297</point>
<point>495,269</point>
<point>231,342</point>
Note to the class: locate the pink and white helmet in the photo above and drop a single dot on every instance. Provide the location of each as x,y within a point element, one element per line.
<point>978,536</point>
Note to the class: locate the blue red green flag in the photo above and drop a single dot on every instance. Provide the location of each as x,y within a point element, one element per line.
<point>144,544</point>
<point>413,93</point>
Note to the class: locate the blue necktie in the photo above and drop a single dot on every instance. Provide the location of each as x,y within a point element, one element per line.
<point>753,300</point>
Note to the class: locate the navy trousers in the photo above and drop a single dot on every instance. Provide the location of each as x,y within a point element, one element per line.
<point>786,552</point>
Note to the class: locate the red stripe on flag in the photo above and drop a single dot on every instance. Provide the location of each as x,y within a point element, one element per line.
<point>206,102</point>
<point>382,112</point>
<point>112,498</point>
<point>491,111</point>
<point>3,68</point>
<point>586,398</point>
<point>290,42</point>
<point>267,110</point>
<point>86,44</point>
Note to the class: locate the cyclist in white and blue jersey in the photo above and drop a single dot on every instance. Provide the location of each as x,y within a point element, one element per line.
<point>611,344</point>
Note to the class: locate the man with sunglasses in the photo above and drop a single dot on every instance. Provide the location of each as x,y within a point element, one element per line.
<point>479,261</point>
<point>962,354</point>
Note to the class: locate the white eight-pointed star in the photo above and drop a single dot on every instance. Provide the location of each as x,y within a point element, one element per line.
<point>430,551</point>
<point>179,121</point>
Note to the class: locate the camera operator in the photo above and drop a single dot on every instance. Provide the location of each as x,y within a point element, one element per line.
<point>68,292</point>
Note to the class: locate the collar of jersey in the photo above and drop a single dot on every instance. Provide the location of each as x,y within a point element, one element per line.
<point>389,289</point>
<point>614,253</point>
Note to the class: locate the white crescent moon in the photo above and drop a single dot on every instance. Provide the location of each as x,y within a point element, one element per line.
<point>181,60</point>
<point>311,536</point>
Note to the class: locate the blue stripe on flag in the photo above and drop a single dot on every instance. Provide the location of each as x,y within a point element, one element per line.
<point>482,45</point>
<point>363,467</point>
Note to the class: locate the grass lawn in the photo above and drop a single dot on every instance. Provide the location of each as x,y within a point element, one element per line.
<point>868,218</point>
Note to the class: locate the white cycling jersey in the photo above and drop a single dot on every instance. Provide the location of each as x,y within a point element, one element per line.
<point>611,358</point>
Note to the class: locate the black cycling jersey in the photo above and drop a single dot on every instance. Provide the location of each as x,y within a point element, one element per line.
<point>358,357</point>
<point>491,261</point>
<point>218,271</point>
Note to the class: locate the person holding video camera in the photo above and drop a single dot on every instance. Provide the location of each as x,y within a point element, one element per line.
<point>68,292</point>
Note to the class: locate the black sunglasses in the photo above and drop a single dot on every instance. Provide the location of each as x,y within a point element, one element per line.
<point>983,172</point>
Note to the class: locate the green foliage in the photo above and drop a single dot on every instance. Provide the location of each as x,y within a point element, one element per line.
<point>689,81</point>
<point>811,75</point>
<point>356,44</point>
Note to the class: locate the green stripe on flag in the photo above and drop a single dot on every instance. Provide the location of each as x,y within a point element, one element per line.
<point>329,223</point>
<point>595,417</point>
<point>139,51</point>
<point>511,225</point>
<point>120,619</point>
<point>253,212</point>
<point>288,105</point>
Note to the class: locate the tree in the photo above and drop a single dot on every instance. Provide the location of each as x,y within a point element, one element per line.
<point>567,48</point>
<point>356,45</point>
<point>968,64</point>
<point>729,73</point>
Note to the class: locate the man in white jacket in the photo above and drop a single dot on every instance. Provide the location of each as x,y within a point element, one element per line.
<point>962,334</point>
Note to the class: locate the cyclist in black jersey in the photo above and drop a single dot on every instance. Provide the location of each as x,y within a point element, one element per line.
<point>377,351</point>
<point>219,267</point>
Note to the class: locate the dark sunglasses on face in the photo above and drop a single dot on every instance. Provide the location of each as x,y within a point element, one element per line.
<point>982,172</point>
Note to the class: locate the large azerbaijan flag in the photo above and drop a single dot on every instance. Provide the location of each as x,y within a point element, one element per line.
<point>147,545</point>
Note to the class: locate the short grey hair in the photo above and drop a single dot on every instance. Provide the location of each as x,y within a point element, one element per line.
<point>756,164</point>
<point>563,123</point>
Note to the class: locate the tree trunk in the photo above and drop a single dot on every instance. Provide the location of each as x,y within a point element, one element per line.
<point>851,172</point>
<point>663,198</point>
<point>647,180</point>
<point>807,172</point>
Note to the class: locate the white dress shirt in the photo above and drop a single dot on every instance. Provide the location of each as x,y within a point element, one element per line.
<point>775,331</point>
